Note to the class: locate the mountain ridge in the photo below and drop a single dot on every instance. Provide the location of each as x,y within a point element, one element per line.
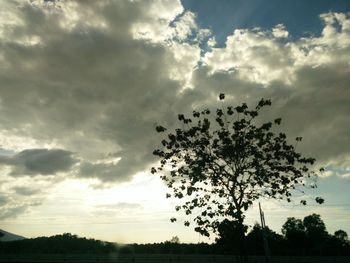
<point>7,236</point>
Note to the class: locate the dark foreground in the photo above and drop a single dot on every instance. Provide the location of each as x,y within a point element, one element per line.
<point>162,258</point>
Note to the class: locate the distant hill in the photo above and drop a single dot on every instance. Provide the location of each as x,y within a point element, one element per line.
<point>72,244</point>
<point>65,243</point>
<point>7,236</point>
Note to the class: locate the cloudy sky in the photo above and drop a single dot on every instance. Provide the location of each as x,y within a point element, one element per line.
<point>83,85</point>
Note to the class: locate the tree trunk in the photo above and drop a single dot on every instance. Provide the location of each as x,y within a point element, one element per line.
<point>243,253</point>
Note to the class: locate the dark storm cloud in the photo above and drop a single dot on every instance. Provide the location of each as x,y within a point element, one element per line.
<point>88,83</point>
<point>39,162</point>
<point>318,109</point>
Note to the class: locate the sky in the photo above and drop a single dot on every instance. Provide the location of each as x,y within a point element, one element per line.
<point>84,83</point>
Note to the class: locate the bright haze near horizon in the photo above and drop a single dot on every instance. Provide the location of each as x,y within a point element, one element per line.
<point>84,83</point>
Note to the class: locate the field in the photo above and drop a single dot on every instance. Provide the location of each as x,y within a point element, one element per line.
<point>162,258</point>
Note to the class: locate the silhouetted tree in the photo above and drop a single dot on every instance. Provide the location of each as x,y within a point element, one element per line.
<point>294,232</point>
<point>316,232</point>
<point>229,236</point>
<point>309,236</point>
<point>339,243</point>
<point>341,235</point>
<point>174,240</point>
<point>255,241</point>
<point>223,163</point>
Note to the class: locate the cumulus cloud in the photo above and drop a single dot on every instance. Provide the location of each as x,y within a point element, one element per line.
<point>94,78</point>
<point>307,80</point>
<point>280,31</point>
<point>89,83</point>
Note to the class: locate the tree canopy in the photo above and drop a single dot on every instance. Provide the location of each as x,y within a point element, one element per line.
<point>341,235</point>
<point>220,162</point>
<point>293,227</point>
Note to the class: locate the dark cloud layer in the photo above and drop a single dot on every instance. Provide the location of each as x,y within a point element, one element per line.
<point>87,84</point>
<point>39,162</point>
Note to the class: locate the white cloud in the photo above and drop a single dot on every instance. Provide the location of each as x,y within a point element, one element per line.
<point>184,26</point>
<point>305,78</point>
<point>153,24</point>
<point>255,55</point>
<point>186,58</point>
<point>280,31</point>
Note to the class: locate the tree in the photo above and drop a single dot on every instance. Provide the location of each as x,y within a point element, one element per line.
<point>294,232</point>
<point>316,232</point>
<point>292,226</point>
<point>339,242</point>
<point>341,235</point>
<point>229,236</point>
<point>315,228</point>
<point>255,240</point>
<point>220,162</point>
<point>174,240</point>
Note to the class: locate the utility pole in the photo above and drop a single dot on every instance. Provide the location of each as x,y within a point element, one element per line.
<point>263,229</point>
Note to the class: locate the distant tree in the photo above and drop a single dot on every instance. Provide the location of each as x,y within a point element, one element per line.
<point>292,227</point>
<point>316,232</point>
<point>294,232</point>
<point>221,162</point>
<point>315,227</point>
<point>229,239</point>
<point>174,240</point>
<point>339,243</point>
<point>255,241</point>
<point>1,234</point>
<point>341,235</point>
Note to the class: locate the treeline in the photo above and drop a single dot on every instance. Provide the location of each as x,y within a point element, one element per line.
<point>72,244</point>
<point>58,244</point>
<point>307,237</point>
